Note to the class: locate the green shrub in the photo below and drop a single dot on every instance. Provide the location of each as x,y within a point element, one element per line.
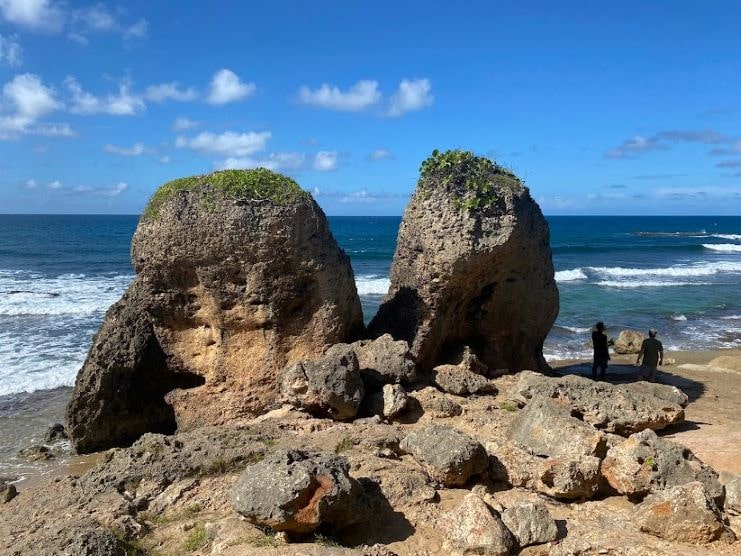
<point>196,539</point>
<point>344,445</point>
<point>254,184</point>
<point>473,181</point>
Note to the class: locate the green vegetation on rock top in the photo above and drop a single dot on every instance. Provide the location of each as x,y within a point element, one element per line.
<point>254,184</point>
<point>473,181</point>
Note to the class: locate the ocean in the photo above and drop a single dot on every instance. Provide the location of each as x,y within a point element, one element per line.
<point>681,275</point>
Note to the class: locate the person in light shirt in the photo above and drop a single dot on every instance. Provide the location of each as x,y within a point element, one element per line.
<point>650,357</point>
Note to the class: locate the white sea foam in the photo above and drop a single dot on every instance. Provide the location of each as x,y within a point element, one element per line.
<point>731,317</point>
<point>679,271</point>
<point>647,284</point>
<point>372,285</point>
<point>732,237</point>
<point>577,329</point>
<point>679,318</point>
<point>570,275</point>
<point>726,247</point>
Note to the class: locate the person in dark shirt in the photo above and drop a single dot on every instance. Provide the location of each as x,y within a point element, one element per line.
<point>650,357</point>
<point>601,353</point>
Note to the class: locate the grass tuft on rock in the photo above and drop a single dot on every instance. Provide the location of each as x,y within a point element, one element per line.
<point>473,181</point>
<point>258,184</point>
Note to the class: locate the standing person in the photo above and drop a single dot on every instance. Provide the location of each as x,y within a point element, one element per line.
<point>601,352</point>
<point>652,355</point>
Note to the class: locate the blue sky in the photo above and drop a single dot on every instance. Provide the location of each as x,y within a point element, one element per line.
<point>602,107</point>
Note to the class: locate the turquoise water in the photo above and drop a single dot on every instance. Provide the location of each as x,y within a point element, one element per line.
<point>682,275</point>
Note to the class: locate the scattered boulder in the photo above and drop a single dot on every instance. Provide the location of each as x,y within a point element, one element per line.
<point>530,523</point>
<point>437,405</point>
<point>684,513</point>
<point>546,428</point>
<point>622,409</point>
<point>238,276</point>
<point>395,400</point>
<point>35,453</point>
<point>449,456</point>
<point>472,267</point>
<point>733,496</point>
<point>568,478</point>
<point>455,379</point>
<point>7,491</point>
<point>331,386</point>
<point>383,361</point>
<point>645,463</point>
<point>55,433</point>
<point>473,528</point>
<point>297,491</point>
<point>628,341</point>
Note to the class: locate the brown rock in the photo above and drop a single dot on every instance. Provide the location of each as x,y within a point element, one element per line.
<point>456,379</point>
<point>569,478</point>
<point>628,341</point>
<point>683,513</point>
<point>472,267</point>
<point>473,528</point>
<point>7,491</point>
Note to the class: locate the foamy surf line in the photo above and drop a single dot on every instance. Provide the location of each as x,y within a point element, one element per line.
<point>372,284</point>
<point>725,247</point>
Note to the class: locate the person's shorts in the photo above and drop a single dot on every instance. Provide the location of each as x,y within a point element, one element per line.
<point>647,370</point>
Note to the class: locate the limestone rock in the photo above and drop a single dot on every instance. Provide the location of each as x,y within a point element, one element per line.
<point>569,478</point>
<point>683,513</point>
<point>472,528</point>
<point>472,267</point>
<point>35,453</point>
<point>457,380</point>
<point>331,386</point>
<point>383,361</point>
<point>622,409</point>
<point>395,400</point>
<point>238,276</point>
<point>733,496</point>
<point>448,456</point>
<point>7,491</point>
<point>645,463</point>
<point>628,342</point>
<point>546,428</point>
<point>437,405</point>
<point>297,491</point>
<point>530,523</point>
<point>55,433</point>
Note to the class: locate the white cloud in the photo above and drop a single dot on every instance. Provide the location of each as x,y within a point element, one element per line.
<point>169,91</point>
<point>138,30</point>
<point>11,52</point>
<point>182,124</point>
<point>56,184</point>
<point>137,149</point>
<point>165,159</point>
<point>410,96</point>
<point>95,18</point>
<point>326,161</point>
<point>227,87</point>
<point>381,154</point>
<point>31,184</point>
<point>37,15</point>
<point>360,96</point>
<point>229,144</point>
<point>697,193</point>
<point>284,161</point>
<point>25,100</point>
<point>112,191</point>
<point>122,104</point>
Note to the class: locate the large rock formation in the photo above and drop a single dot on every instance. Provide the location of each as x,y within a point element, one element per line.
<point>238,276</point>
<point>472,267</point>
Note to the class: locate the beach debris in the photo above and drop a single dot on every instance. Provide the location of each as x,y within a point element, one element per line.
<point>331,386</point>
<point>299,491</point>
<point>628,341</point>
<point>55,433</point>
<point>474,528</point>
<point>530,523</point>
<point>472,260</point>
<point>545,427</point>
<point>685,513</point>
<point>616,408</point>
<point>645,463</point>
<point>447,455</point>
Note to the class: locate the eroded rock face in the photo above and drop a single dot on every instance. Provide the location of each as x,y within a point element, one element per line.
<point>448,456</point>
<point>683,513</point>
<point>733,496</point>
<point>530,523</point>
<point>645,463</point>
<point>456,379</point>
<point>620,408</point>
<point>384,361</point>
<point>569,478</point>
<point>238,276</point>
<point>331,386</point>
<point>628,341</point>
<point>473,528</point>
<point>297,491</point>
<point>472,267</point>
